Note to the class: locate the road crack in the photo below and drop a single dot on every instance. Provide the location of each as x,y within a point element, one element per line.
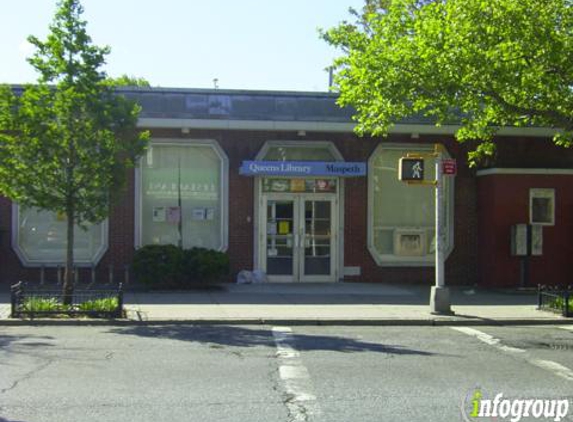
<point>27,376</point>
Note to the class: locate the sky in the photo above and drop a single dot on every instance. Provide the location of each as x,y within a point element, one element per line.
<point>245,44</point>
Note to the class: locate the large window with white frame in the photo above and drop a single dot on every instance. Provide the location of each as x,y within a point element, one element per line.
<point>182,195</point>
<point>40,238</point>
<point>401,216</point>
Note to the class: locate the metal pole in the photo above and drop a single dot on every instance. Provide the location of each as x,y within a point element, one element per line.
<point>440,294</point>
<point>439,223</point>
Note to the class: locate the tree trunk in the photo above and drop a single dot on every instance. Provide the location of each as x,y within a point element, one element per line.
<point>68,288</point>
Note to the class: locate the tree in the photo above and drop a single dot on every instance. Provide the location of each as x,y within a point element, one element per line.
<point>67,141</point>
<point>484,63</point>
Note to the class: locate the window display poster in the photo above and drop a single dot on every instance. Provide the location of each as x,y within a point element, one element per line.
<point>209,213</point>
<point>158,214</point>
<point>198,214</point>
<point>271,228</point>
<point>284,227</point>
<point>173,215</point>
<point>297,185</point>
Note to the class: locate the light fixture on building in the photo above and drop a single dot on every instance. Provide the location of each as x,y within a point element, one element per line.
<point>415,136</point>
<point>185,130</point>
<point>301,133</point>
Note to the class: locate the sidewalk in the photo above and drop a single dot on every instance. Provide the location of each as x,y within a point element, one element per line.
<point>321,304</point>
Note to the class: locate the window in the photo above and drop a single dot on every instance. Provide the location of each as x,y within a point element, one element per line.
<point>542,206</point>
<point>40,239</point>
<point>299,151</point>
<point>401,217</point>
<point>182,195</point>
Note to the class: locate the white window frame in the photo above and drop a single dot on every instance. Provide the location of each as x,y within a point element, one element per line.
<point>545,193</point>
<point>391,260</point>
<point>224,188</point>
<point>27,261</point>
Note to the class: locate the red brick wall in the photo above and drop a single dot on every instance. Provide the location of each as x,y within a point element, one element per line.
<point>461,265</point>
<point>503,202</point>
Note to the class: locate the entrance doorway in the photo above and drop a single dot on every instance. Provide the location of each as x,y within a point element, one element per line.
<point>298,239</point>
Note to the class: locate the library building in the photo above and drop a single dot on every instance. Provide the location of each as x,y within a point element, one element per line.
<point>281,183</point>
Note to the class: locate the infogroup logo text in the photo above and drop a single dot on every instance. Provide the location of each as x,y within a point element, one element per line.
<point>514,410</point>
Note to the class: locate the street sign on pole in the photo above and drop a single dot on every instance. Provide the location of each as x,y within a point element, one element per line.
<point>449,167</point>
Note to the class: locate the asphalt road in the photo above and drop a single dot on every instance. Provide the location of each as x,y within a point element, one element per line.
<point>263,373</point>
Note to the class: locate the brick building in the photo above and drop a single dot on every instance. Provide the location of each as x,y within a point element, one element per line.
<point>299,222</point>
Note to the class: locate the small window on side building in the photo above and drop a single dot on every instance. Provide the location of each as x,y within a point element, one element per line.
<point>542,206</point>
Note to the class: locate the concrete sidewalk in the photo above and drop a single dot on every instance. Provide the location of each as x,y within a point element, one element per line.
<point>339,303</point>
<point>320,303</point>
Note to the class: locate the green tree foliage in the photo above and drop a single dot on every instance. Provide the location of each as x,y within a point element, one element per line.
<point>495,63</point>
<point>67,141</point>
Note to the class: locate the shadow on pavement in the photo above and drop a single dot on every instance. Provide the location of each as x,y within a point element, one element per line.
<point>37,341</point>
<point>9,420</point>
<point>247,337</point>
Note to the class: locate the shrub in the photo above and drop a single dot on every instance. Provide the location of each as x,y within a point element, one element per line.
<point>204,266</point>
<point>43,304</point>
<point>168,266</point>
<point>158,265</point>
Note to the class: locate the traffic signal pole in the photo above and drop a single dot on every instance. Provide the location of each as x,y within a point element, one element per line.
<point>440,303</point>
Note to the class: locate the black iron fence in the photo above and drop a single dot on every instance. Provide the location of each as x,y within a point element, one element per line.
<point>555,299</point>
<point>34,302</point>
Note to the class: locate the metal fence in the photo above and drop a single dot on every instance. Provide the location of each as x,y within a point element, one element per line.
<point>35,302</point>
<point>555,299</point>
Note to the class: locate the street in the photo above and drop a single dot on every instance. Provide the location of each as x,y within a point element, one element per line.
<point>277,373</point>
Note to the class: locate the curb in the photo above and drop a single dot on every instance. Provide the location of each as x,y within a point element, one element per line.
<point>382,322</point>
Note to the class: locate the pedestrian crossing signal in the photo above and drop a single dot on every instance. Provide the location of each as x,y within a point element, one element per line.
<point>411,169</point>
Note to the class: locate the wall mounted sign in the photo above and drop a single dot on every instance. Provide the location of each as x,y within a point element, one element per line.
<point>302,168</point>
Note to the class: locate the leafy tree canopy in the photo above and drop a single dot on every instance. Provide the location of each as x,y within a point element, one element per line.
<point>66,141</point>
<point>484,63</point>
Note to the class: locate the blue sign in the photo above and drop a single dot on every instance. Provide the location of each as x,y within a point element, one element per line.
<point>302,168</point>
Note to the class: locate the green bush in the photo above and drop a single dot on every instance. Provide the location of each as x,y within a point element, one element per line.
<point>168,266</point>
<point>158,265</point>
<point>108,304</point>
<point>42,304</point>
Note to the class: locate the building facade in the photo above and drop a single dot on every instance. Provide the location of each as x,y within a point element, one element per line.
<point>280,182</point>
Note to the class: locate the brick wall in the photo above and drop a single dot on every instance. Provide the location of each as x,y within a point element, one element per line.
<point>461,265</point>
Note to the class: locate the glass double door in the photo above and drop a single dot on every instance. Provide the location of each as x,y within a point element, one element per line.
<point>299,238</point>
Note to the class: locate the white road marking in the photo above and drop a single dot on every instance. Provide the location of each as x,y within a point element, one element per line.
<point>556,368</point>
<point>566,327</point>
<point>300,402</point>
<point>487,339</point>
<point>548,365</point>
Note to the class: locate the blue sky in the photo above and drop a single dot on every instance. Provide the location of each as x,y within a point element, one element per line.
<point>246,44</point>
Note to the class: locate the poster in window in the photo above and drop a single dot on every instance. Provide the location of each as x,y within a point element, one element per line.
<point>272,228</point>
<point>159,214</point>
<point>173,215</point>
<point>198,214</point>
<point>297,185</point>
<point>209,213</point>
<point>284,227</point>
